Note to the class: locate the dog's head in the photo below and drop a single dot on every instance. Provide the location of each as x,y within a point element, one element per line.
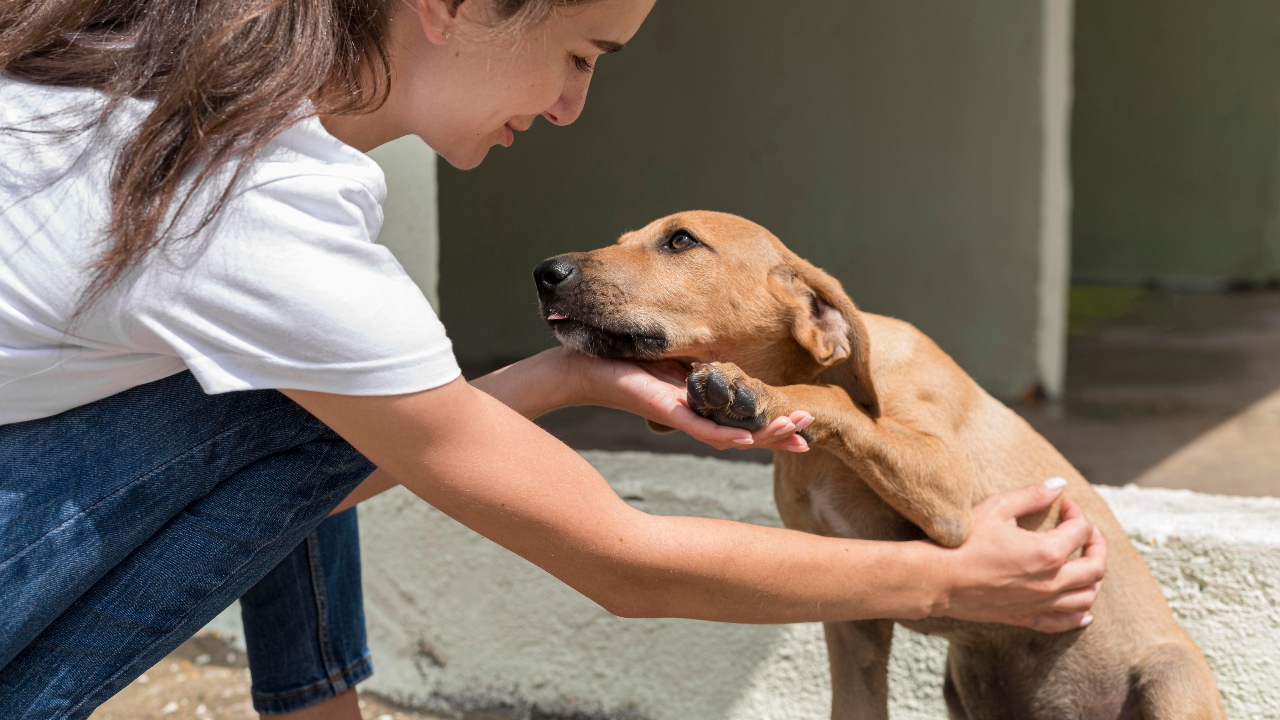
<point>704,286</point>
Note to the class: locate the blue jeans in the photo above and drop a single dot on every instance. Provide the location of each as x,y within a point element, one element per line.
<point>129,523</point>
<point>304,622</point>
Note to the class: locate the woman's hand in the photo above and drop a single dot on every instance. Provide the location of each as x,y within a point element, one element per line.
<point>1005,574</point>
<point>656,391</point>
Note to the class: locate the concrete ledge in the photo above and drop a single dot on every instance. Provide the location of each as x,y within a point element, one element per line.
<point>460,625</point>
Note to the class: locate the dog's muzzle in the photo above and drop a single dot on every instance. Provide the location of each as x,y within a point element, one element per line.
<point>578,321</point>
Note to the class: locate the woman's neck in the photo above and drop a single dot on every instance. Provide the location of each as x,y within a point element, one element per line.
<point>363,132</point>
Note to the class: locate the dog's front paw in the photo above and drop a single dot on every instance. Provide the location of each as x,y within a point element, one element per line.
<point>723,393</point>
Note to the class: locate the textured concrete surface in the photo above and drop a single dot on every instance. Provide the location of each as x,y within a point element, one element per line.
<point>459,625</point>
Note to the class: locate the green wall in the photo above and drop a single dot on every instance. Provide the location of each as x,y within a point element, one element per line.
<point>1176,142</point>
<point>410,215</point>
<point>897,143</point>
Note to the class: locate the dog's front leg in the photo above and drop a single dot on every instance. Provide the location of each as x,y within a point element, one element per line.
<point>859,654</point>
<point>914,470</point>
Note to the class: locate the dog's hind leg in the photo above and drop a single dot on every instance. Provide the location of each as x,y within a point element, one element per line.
<point>951,694</point>
<point>1174,683</point>
<point>859,653</point>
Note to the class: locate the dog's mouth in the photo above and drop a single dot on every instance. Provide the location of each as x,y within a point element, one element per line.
<point>614,341</point>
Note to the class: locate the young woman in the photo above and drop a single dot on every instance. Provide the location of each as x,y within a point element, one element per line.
<point>203,353</point>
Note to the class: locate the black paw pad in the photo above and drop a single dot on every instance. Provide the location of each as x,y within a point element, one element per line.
<point>722,395</point>
<point>744,403</point>
<point>717,389</point>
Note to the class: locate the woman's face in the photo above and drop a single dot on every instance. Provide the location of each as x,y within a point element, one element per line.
<point>463,88</point>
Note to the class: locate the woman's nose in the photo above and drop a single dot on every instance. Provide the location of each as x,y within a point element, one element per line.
<point>569,105</point>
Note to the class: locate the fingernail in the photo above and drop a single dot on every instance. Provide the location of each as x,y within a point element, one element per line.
<point>1086,620</point>
<point>744,441</point>
<point>798,449</point>
<point>806,422</point>
<point>1055,483</point>
<point>789,427</point>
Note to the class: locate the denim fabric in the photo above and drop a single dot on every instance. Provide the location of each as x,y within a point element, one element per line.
<point>127,524</point>
<point>304,622</point>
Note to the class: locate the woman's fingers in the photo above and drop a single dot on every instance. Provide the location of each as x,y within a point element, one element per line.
<point>1074,534</point>
<point>1024,501</point>
<point>1077,600</point>
<point>781,433</point>
<point>1069,537</point>
<point>1060,622</point>
<point>1087,570</point>
<point>1027,578</point>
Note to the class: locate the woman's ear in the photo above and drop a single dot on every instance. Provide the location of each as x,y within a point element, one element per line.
<point>437,18</point>
<point>827,324</point>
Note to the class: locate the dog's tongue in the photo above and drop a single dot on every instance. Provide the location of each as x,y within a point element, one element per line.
<point>557,316</point>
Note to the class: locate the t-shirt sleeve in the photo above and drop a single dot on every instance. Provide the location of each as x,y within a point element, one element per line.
<point>288,290</point>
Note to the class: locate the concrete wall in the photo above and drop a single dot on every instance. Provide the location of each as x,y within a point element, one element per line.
<point>411,221</point>
<point>458,624</point>
<point>914,148</point>
<point>1176,145</point>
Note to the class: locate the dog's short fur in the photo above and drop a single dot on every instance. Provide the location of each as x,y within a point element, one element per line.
<point>905,443</point>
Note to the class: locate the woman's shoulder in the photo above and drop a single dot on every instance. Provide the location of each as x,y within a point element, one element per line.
<point>32,110</point>
<point>306,155</point>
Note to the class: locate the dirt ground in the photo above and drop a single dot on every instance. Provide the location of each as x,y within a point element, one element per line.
<point>1162,389</point>
<point>207,679</point>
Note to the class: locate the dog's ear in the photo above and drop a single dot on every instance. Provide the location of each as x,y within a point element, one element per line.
<point>826,323</point>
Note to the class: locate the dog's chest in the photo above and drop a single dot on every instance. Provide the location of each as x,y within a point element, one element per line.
<point>817,493</point>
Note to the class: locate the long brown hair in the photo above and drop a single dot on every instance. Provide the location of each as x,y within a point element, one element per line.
<point>226,77</point>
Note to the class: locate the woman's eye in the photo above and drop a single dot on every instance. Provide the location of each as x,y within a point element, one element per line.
<point>582,64</point>
<point>681,241</point>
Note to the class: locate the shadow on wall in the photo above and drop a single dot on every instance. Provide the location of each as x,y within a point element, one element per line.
<point>1176,143</point>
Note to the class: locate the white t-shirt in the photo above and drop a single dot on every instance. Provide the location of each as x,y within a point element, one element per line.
<point>285,289</point>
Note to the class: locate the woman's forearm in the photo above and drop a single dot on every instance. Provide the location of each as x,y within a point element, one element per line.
<point>706,569</point>
<point>532,387</point>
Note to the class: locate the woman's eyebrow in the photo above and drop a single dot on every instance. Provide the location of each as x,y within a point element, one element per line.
<point>608,46</point>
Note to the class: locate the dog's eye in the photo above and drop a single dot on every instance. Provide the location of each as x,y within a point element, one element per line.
<point>680,241</point>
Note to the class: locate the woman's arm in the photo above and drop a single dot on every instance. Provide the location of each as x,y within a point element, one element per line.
<point>488,467</point>
<point>560,378</point>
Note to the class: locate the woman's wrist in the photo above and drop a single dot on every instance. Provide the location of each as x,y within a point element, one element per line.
<point>536,385</point>
<point>929,576</point>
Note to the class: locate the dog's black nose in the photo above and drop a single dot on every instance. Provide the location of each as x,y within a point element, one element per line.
<point>553,272</point>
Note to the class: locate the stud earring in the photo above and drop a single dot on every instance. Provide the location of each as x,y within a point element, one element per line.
<point>447,34</point>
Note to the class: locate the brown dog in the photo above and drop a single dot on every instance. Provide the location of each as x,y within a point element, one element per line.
<point>905,444</point>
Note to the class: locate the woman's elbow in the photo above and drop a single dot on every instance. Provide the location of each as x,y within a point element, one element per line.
<point>634,599</point>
